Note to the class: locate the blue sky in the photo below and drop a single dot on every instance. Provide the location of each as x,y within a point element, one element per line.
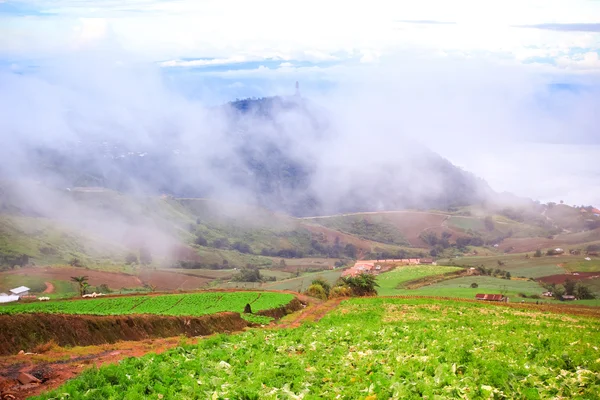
<point>511,71</point>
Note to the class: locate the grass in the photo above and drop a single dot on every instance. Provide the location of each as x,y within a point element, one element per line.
<point>461,287</point>
<point>518,264</point>
<point>368,227</point>
<point>390,281</point>
<point>193,304</point>
<point>377,348</point>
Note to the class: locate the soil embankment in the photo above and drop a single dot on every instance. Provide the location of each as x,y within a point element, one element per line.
<point>25,331</point>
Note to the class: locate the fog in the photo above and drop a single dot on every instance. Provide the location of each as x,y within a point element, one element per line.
<point>366,143</point>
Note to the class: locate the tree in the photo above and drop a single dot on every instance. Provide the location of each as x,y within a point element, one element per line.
<point>583,292</point>
<point>569,286</point>
<point>248,274</point>
<point>350,250</point>
<point>538,253</point>
<point>558,292</point>
<point>282,263</point>
<point>361,285</point>
<point>82,281</point>
<point>145,256</point>
<point>200,240</point>
<point>474,285</point>
<point>131,258</point>
<point>75,262</point>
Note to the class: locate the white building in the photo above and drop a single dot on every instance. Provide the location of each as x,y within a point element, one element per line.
<point>8,299</point>
<point>20,291</point>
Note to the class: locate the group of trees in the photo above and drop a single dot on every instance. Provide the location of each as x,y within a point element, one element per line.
<point>145,257</point>
<point>346,286</point>
<point>13,260</point>
<point>251,273</point>
<point>570,288</point>
<point>496,273</point>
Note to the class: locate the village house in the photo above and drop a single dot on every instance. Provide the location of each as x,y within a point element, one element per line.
<point>491,297</point>
<point>568,297</point>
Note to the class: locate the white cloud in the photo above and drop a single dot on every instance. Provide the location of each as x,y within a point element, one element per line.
<point>205,62</point>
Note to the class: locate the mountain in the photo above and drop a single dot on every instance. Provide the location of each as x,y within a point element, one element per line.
<point>283,153</point>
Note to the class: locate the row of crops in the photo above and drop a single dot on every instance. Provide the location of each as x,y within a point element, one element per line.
<point>378,348</point>
<point>192,304</point>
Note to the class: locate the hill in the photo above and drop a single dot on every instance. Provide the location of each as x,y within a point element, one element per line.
<point>283,154</point>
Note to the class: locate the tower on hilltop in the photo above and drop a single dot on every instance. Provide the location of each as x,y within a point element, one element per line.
<point>297,89</point>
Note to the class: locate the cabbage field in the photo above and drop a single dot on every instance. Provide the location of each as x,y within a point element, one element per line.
<point>189,304</point>
<point>377,348</point>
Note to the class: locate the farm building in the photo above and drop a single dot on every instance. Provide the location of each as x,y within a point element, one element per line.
<point>491,297</point>
<point>568,297</point>
<point>426,261</point>
<point>20,291</point>
<point>8,298</point>
<point>548,294</point>
<point>360,267</point>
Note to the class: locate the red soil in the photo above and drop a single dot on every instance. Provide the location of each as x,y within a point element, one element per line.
<point>561,278</point>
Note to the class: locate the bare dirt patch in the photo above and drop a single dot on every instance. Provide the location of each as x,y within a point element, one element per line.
<point>114,280</point>
<point>164,280</point>
<point>561,278</point>
<point>49,287</point>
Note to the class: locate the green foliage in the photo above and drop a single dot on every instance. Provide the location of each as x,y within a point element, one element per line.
<point>323,283</point>
<point>248,274</point>
<point>538,253</point>
<point>82,281</point>
<point>474,285</point>
<point>370,349</point>
<point>360,285</point>
<point>317,291</point>
<point>192,304</point>
<point>390,282</point>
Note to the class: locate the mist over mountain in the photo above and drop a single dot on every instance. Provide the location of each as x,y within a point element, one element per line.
<point>283,153</point>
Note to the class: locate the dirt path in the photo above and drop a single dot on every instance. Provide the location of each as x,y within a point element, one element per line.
<point>313,313</point>
<point>49,287</point>
<point>59,364</point>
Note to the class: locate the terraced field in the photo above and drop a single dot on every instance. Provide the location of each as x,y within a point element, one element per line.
<point>390,282</point>
<point>191,304</point>
<point>378,348</point>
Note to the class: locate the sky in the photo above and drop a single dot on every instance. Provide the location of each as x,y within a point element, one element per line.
<point>505,89</point>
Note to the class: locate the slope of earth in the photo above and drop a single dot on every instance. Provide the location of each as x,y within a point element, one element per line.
<point>407,225</point>
<point>390,282</point>
<point>519,265</point>
<point>373,348</point>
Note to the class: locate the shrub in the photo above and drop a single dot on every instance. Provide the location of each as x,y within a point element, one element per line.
<point>474,285</point>
<point>45,347</point>
<point>75,262</point>
<point>538,253</point>
<point>131,259</point>
<point>316,291</point>
<point>323,283</point>
<point>340,291</point>
<point>201,240</point>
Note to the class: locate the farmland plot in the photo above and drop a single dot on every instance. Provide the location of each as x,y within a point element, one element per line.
<point>191,304</point>
<point>375,348</point>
